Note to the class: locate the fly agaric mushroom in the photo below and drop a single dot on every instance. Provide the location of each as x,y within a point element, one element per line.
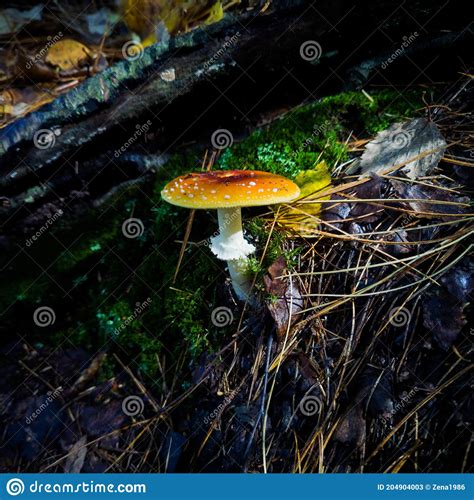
<point>228,191</point>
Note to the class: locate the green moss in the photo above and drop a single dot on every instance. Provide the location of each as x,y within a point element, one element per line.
<point>188,313</point>
<point>317,132</point>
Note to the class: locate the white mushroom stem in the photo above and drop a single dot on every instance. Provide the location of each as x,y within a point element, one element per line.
<point>231,246</point>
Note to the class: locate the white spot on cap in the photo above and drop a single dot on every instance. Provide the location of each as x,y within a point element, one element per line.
<point>213,191</point>
<point>251,183</point>
<point>275,190</point>
<point>190,195</point>
<point>260,190</point>
<point>227,197</point>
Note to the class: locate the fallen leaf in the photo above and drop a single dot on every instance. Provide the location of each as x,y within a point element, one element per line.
<point>68,54</point>
<point>414,147</point>
<point>143,17</point>
<point>286,300</point>
<point>98,420</point>
<point>15,103</point>
<point>64,59</point>
<point>443,306</point>
<point>303,218</point>
<point>368,212</point>
<point>351,429</point>
<point>89,373</point>
<point>76,457</point>
<point>414,194</point>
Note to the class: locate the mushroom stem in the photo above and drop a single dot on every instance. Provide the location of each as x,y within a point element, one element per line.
<point>241,282</point>
<point>230,245</point>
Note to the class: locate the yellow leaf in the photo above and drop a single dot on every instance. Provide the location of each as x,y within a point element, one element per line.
<point>67,55</point>
<point>302,217</point>
<point>312,181</point>
<point>216,13</point>
<point>143,16</point>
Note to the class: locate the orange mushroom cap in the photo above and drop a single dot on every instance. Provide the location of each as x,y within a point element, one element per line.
<point>229,188</point>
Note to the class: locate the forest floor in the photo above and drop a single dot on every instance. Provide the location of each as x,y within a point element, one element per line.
<point>122,355</point>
